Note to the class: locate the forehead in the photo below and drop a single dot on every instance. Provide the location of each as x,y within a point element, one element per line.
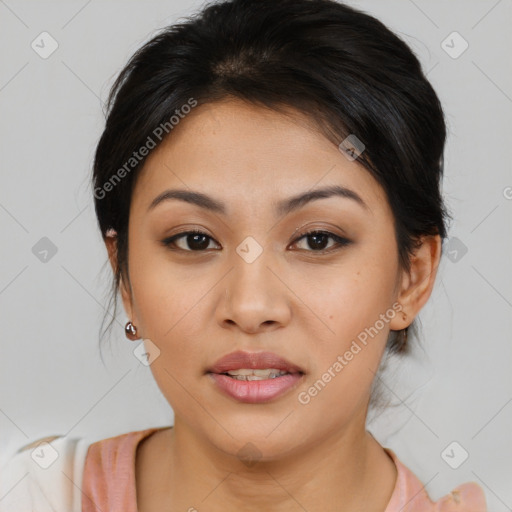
<point>250,156</point>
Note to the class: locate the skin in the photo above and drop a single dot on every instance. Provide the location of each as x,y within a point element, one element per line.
<point>293,300</point>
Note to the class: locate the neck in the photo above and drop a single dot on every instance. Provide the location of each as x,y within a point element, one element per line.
<point>347,467</point>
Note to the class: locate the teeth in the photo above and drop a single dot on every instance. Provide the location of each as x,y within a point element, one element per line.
<point>257,374</point>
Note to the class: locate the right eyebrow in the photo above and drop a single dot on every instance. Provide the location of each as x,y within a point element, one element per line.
<point>197,198</point>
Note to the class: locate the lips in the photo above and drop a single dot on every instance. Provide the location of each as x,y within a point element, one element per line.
<point>282,377</point>
<point>253,360</point>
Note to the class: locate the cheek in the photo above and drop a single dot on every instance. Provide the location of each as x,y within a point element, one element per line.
<point>173,305</point>
<point>350,296</point>
<point>355,303</point>
<point>168,309</point>
<point>344,362</point>
<point>165,304</point>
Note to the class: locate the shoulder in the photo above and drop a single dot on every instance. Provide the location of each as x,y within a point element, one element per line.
<point>410,494</point>
<point>114,455</point>
<point>109,474</point>
<point>43,475</point>
<point>49,473</point>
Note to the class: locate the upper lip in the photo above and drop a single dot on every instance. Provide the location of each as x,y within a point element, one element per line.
<point>253,360</point>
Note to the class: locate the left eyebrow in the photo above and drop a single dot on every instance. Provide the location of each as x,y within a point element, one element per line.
<point>298,201</point>
<point>282,207</point>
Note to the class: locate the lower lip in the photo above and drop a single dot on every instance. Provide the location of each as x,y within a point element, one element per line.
<point>256,391</point>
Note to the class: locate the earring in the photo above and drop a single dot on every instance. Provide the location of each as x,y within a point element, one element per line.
<point>403,342</point>
<point>130,331</point>
<point>404,333</point>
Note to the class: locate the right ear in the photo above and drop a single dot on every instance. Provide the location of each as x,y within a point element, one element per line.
<point>111,245</point>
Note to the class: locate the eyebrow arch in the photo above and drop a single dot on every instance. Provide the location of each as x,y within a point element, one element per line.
<point>197,198</point>
<point>294,203</point>
<point>283,207</point>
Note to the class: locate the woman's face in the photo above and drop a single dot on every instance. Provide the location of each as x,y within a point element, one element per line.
<point>252,282</point>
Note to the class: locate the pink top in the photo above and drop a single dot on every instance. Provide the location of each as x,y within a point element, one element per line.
<point>109,482</point>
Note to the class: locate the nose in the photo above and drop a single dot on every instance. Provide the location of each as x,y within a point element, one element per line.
<point>255,297</point>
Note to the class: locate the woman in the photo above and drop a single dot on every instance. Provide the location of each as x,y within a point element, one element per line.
<point>268,189</point>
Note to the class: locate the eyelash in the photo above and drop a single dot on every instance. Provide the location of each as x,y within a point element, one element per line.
<point>341,242</point>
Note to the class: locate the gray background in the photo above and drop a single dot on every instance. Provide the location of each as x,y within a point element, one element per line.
<point>458,387</point>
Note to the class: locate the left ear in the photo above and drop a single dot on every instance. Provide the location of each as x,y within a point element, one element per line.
<point>417,283</point>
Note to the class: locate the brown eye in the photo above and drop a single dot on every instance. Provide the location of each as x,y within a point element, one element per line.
<point>196,241</point>
<point>318,240</point>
